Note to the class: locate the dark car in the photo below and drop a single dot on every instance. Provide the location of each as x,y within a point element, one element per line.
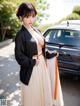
<point>65,39</point>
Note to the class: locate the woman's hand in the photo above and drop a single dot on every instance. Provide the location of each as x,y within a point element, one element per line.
<point>37,59</point>
<point>51,54</point>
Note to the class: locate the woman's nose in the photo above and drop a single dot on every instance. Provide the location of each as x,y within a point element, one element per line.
<point>31,18</point>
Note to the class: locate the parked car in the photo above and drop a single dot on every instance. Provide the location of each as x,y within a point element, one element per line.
<point>65,39</point>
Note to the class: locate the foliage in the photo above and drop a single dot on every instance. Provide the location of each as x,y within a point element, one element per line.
<point>8,20</point>
<point>41,6</point>
<point>7,17</point>
<point>17,1</point>
<point>73,16</point>
<point>76,10</point>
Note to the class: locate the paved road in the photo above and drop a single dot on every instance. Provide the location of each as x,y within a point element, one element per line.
<point>10,85</point>
<point>71,90</point>
<point>9,79</point>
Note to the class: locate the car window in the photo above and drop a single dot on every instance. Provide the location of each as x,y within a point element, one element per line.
<point>53,36</point>
<point>63,36</point>
<point>71,37</point>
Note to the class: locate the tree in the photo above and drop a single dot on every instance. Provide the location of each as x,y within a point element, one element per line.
<point>75,15</point>
<point>5,14</point>
<point>76,10</point>
<point>8,19</point>
<point>41,6</point>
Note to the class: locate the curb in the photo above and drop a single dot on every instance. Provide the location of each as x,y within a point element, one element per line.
<point>6,42</point>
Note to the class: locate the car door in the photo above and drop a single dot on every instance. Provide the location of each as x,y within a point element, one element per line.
<point>70,50</point>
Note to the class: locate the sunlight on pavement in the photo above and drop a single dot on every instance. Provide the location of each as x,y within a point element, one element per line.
<point>14,103</point>
<point>9,50</point>
<point>1,91</point>
<point>12,95</point>
<point>10,87</point>
<point>12,100</point>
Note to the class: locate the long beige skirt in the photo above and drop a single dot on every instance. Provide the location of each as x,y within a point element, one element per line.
<point>38,92</point>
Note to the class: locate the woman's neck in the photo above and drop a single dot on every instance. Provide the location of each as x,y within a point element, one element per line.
<point>30,28</point>
<point>26,26</point>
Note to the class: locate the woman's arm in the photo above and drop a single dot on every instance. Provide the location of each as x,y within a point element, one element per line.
<point>48,54</point>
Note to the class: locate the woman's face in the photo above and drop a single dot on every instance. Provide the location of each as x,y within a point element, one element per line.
<point>28,21</point>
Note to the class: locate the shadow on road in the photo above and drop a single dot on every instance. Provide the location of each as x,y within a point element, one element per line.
<point>9,80</point>
<point>71,90</point>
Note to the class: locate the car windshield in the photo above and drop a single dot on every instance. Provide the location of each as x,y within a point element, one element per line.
<point>63,36</point>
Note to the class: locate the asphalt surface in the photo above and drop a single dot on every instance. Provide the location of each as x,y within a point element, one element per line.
<point>71,90</point>
<point>9,78</point>
<point>10,84</point>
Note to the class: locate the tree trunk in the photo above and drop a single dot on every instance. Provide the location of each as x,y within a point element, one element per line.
<point>3,33</point>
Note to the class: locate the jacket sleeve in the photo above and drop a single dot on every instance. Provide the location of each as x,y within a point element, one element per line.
<point>21,58</point>
<point>50,55</point>
<point>47,54</point>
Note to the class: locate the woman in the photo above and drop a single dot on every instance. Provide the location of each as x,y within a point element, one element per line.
<point>31,56</point>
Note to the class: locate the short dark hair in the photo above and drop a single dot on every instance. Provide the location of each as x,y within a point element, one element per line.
<point>26,9</point>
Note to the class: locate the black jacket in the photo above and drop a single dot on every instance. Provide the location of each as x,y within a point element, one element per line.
<point>25,48</point>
